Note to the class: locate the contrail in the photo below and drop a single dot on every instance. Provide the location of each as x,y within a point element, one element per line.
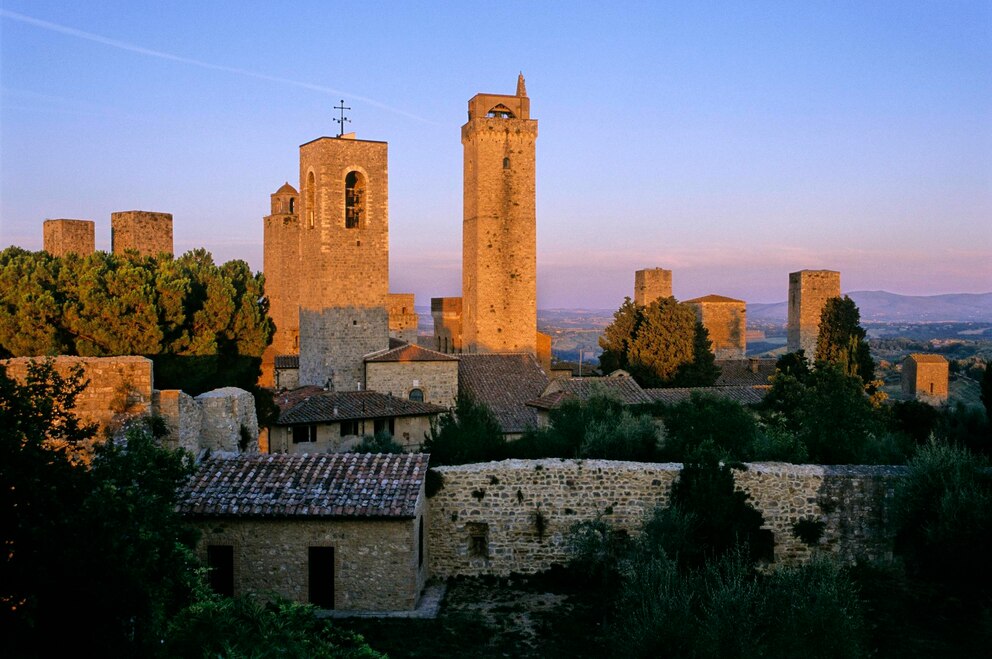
<point>123,45</point>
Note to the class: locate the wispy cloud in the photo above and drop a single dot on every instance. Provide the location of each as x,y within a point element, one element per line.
<point>133,48</point>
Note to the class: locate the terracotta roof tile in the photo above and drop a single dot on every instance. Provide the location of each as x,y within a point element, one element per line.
<point>504,383</point>
<point>287,400</point>
<point>322,485</point>
<point>744,395</point>
<point>920,358</point>
<point>624,389</point>
<point>329,406</point>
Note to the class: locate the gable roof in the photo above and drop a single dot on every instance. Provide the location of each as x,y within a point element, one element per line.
<point>286,361</point>
<point>744,395</point>
<point>333,406</point>
<point>624,389</point>
<point>320,485</point>
<point>926,358</point>
<point>408,352</point>
<point>504,382</point>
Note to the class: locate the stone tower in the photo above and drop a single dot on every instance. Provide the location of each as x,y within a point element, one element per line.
<point>150,234</point>
<point>499,230</point>
<point>344,259</point>
<point>64,236</point>
<point>651,284</point>
<point>725,320</point>
<point>809,291</point>
<point>281,265</point>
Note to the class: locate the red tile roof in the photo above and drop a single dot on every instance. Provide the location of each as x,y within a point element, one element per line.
<point>924,358</point>
<point>320,485</point>
<point>331,406</point>
<point>504,383</point>
<point>741,372</point>
<point>744,395</point>
<point>409,352</point>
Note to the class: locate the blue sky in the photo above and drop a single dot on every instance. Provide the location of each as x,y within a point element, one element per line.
<point>730,142</point>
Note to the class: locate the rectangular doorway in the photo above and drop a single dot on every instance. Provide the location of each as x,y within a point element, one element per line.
<point>321,568</point>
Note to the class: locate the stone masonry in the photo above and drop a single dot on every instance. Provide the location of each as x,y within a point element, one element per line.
<point>925,377</point>
<point>725,319</point>
<point>69,236</point>
<point>447,315</point>
<point>403,319</point>
<point>344,251</point>
<point>282,268</point>
<point>514,516</point>
<point>148,233</point>
<point>228,421</point>
<point>438,380</point>
<point>651,284</point>
<point>499,231</point>
<point>809,291</point>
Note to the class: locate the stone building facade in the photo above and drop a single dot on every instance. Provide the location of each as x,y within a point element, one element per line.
<point>725,319</point>
<point>62,237</point>
<point>403,319</point>
<point>514,516</point>
<point>447,315</point>
<point>344,252</point>
<point>344,531</point>
<point>809,291</point>
<point>925,377</point>
<point>414,373</point>
<point>651,284</point>
<point>283,273</point>
<point>145,232</point>
<point>499,231</point>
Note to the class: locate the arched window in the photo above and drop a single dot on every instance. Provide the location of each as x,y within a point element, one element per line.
<point>311,197</point>
<point>417,395</point>
<point>354,200</point>
<point>292,205</point>
<point>506,163</point>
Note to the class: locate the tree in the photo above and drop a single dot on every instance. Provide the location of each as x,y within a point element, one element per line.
<point>468,434</point>
<point>986,388</point>
<point>660,345</point>
<point>841,340</point>
<point>724,423</point>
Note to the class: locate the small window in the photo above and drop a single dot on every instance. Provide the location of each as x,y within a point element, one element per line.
<point>478,539</point>
<point>349,428</point>
<point>417,395</point>
<point>220,562</point>
<point>506,163</point>
<point>420,542</point>
<point>292,205</point>
<point>385,425</point>
<point>305,433</point>
<point>321,577</point>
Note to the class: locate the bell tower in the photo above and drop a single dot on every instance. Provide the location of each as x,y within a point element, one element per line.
<point>344,259</point>
<point>499,229</point>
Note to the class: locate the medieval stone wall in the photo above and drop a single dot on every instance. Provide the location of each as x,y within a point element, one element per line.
<point>146,232</point>
<point>182,415</point>
<point>651,284</point>
<point>403,320</point>
<point>809,291</point>
<point>336,342</point>
<point>228,421</point>
<point>514,516</point>
<point>375,561</point>
<point>447,315</point>
<point>499,230</point>
<point>725,320</point>
<point>64,236</point>
<point>119,387</point>
<point>438,380</point>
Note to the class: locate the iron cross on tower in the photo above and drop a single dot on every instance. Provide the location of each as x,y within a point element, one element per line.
<point>343,118</point>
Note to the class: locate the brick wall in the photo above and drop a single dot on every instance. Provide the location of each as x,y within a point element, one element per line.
<point>64,236</point>
<point>504,500</point>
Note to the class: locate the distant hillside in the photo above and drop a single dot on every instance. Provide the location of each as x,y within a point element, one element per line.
<point>883,307</point>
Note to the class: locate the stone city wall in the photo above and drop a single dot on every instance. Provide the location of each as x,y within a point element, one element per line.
<point>183,416</point>
<point>514,516</point>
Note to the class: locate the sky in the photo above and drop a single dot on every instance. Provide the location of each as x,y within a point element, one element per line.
<point>732,143</point>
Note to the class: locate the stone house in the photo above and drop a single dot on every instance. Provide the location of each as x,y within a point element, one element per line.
<point>340,531</point>
<point>330,421</point>
<point>925,377</point>
<point>415,373</point>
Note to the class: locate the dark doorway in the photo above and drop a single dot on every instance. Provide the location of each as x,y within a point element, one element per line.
<point>322,577</point>
<point>220,560</point>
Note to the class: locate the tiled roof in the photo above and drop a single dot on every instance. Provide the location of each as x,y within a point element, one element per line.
<point>551,401</point>
<point>319,485</point>
<point>740,372</point>
<point>624,389</point>
<point>504,383</point>
<point>715,298</point>
<point>920,358</point>
<point>287,400</point>
<point>286,187</point>
<point>331,406</point>
<point>287,361</point>
<point>407,352</point>
<point>743,395</point>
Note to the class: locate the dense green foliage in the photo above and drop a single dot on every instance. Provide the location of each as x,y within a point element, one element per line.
<point>381,442</point>
<point>97,558</point>
<point>724,424</point>
<point>660,345</point>
<point>470,433</point>
<point>202,324</point>
<point>841,339</point>
<point>243,627</point>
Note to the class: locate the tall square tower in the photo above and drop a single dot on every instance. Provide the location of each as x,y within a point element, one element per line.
<point>281,265</point>
<point>344,259</point>
<point>809,291</point>
<point>64,236</point>
<point>651,284</point>
<point>499,230</point>
<point>145,232</point>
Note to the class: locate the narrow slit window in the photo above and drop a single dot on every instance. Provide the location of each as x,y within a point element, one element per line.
<point>506,163</point>
<point>311,199</point>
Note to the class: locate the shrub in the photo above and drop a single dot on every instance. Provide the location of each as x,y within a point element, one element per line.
<point>381,442</point>
<point>730,427</point>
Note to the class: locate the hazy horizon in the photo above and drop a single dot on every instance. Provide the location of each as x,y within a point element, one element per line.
<point>730,143</point>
